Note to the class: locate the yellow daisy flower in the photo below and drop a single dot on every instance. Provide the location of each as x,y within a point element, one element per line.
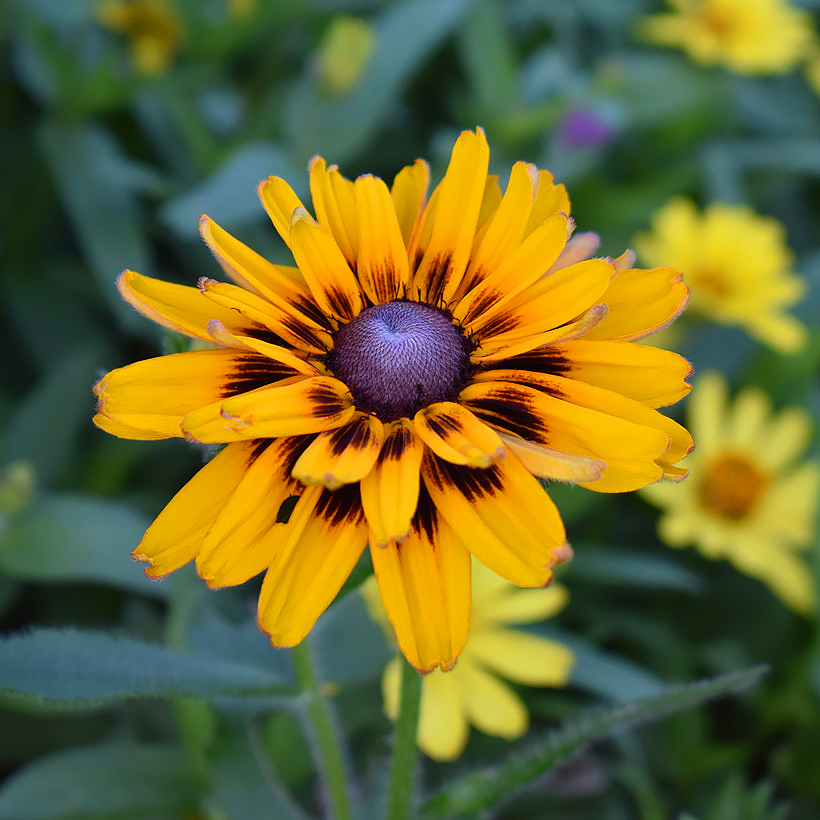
<point>736,264</point>
<point>408,379</point>
<point>746,36</point>
<point>152,28</point>
<point>470,693</point>
<point>745,499</point>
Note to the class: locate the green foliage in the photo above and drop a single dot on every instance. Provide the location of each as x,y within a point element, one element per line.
<point>128,699</point>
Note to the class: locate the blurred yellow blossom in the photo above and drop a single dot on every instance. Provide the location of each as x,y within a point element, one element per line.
<point>152,28</point>
<point>470,692</point>
<point>745,499</point>
<point>344,53</point>
<point>746,36</point>
<point>736,264</point>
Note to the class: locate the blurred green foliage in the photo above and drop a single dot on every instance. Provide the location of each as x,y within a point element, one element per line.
<point>105,166</point>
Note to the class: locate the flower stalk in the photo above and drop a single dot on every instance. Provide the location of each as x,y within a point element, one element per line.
<point>402,765</point>
<point>324,735</point>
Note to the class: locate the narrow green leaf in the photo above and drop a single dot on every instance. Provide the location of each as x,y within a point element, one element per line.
<point>620,567</point>
<point>96,184</point>
<point>121,779</point>
<point>478,791</point>
<point>67,537</point>
<point>44,428</point>
<point>68,668</point>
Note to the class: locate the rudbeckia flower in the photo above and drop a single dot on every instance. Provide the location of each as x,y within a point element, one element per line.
<point>471,692</point>
<point>736,264</point>
<point>151,27</point>
<point>408,379</point>
<point>746,36</point>
<point>746,499</point>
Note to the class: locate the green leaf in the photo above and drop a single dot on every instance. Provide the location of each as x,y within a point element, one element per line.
<point>67,537</point>
<point>619,567</point>
<point>406,34</point>
<point>96,185</point>
<point>478,791</point>
<point>69,668</point>
<point>44,429</point>
<point>118,779</point>
<point>228,195</point>
<point>245,785</point>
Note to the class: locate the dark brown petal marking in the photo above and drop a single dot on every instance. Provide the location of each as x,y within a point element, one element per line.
<point>472,482</point>
<point>417,257</point>
<point>355,435</point>
<point>437,276</point>
<point>482,304</point>
<point>509,409</point>
<point>399,440</point>
<point>340,303</point>
<point>425,519</point>
<point>442,424</point>
<point>312,311</point>
<point>342,506</point>
<point>293,447</point>
<point>503,323</point>
<point>252,371</point>
<point>539,361</point>
<point>325,401</point>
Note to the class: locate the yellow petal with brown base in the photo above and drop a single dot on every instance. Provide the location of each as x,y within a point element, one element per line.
<point>296,406</point>
<point>390,491</point>
<point>326,535</point>
<point>484,508</point>
<point>175,537</point>
<point>453,433</point>
<point>425,587</point>
<point>629,450</point>
<point>343,455</point>
<point>279,201</point>
<point>382,266</point>
<point>245,535</point>
<point>326,271</point>
<point>439,272</point>
<point>154,395</point>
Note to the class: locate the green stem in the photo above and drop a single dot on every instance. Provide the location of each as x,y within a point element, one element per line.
<point>327,744</point>
<point>404,745</point>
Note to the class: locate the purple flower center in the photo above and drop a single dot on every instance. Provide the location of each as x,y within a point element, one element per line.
<point>399,357</point>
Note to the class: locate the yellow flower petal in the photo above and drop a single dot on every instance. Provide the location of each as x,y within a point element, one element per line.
<point>453,433</point>
<point>335,206</point>
<point>280,203</point>
<point>484,509</point>
<point>382,266</point>
<point>176,535</point>
<point>425,587</point>
<point>491,705</point>
<point>342,456</point>
<point>326,535</point>
<point>294,407</point>
<point>408,192</point>
<point>390,490</point>
<point>521,657</point>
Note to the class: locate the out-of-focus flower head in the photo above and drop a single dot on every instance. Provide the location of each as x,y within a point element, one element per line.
<point>152,28</point>
<point>745,36</point>
<point>471,692</point>
<point>746,498</point>
<point>585,128</point>
<point>344,54</point>
<point>736,264</point>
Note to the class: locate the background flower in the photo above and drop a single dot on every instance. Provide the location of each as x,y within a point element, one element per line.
<point>748,36</point>
<point>471,692</point>
<point>746,500</point>
<point>736,264</point>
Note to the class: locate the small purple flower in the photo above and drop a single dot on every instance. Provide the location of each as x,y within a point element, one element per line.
<point>584,128</point>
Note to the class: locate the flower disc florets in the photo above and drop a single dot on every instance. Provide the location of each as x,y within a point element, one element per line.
<point>399,357</point>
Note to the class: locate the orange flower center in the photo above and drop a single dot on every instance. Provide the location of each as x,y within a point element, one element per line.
<point>731,487</point>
